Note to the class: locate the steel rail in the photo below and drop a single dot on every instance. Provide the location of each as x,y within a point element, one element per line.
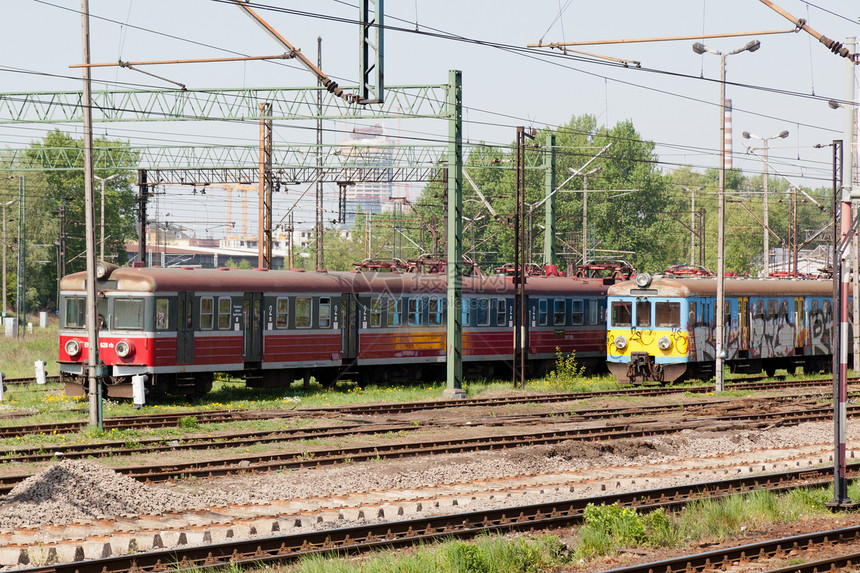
<point>724,557</point>
<point>410,532</point>
<point>317,458</point>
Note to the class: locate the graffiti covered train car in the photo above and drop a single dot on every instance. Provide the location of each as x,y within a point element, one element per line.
<point>662,329</point>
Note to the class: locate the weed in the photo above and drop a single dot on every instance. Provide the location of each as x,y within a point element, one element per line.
<point>189,423</point>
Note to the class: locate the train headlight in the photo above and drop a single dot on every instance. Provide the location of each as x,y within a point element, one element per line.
<point>643,280</point>
<point>73,347</point>
<point>124,348</point>
<point>620,342</point>
<point>664,343</point>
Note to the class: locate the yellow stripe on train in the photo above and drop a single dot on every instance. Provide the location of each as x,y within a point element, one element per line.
<point>657,342</point>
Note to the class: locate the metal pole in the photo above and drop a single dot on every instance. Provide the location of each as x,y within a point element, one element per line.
<point>142,193</point>
<point>92,304</point>
<point>454,327</point>
<point>721,236</point>
<point>692,227</point>
<point>549,253</point>
<point>5,306</point>
<point>585,218</point>
<point>765,217</point>
<point>102,239</point>
<point>318,227</point>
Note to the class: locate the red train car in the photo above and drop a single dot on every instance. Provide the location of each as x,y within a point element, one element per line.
<point>179,326</point>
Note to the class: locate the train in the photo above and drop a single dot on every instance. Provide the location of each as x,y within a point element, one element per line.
<point>661,329</point>
<point>178,327</point>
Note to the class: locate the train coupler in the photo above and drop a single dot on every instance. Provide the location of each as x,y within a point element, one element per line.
<point>642,365</point>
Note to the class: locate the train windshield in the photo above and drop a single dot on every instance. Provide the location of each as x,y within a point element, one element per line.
<point>128,314</point>
<point>622,313</point>
<point>668,314</point>
<point>76,312</point>
<point>643,313</point>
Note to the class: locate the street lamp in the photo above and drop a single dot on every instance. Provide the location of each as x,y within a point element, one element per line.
<point>102,242</point>
<point>764,140</point>
<point>700,48</point>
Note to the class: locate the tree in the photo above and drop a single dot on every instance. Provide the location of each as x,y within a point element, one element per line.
<point>57,192</point>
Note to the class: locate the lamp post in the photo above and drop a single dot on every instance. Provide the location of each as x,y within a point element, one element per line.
<point>102,242</point>
<point>764,140</point>
<point>700,48</point>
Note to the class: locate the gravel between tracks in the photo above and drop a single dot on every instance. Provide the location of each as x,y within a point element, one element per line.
<point>74,491</point>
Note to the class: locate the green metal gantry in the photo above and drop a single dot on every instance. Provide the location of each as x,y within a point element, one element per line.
<point>454,356</point>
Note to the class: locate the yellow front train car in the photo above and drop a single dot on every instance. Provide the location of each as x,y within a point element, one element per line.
<point>662,329</point>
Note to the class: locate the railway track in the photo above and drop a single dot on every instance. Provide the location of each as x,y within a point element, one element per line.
<point>319,457</point>
<point>244,439</point>
<point>392,534</point>
<point>170,420</point>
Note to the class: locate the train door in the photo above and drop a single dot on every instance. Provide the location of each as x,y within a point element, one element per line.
<point>799,325</point>
<point>252,323</point>
<point>743,325</point>
<point>349,340</point>
<point>185,330</point>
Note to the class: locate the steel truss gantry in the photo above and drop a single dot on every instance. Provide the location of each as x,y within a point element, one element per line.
<point>227,104</point>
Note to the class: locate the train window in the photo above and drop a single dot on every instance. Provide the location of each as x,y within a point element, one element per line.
<point>501,312</point>
<point>162,313</point>
<point>693,320</point>
<point>559,312</point>
<point>576,313</point>
<point>325,312</point>
<point>435,311</point>
<point>128,314</point>
<point>622,313</point>
<point>783,309</point>
<point>206,312</point>
<point>303,312</point>
<point>395,309</point>
<point>413,317</point>
<point>771,309</point>
<point>543,311</point>
<point>76,312</point>
<point>483,312</point>
<point>727,313</point>
<point>643,313</point>
<point>466,313</point>
<point>375,312</point>
<point>595,312</point>
<point>668,314</point>
<point>224,304</point>
<point>102,311</point>
<point>282,312</point>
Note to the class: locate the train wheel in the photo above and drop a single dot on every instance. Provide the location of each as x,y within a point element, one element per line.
<point>770,371</point>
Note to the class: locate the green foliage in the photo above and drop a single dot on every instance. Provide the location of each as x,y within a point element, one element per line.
<point>188,423</point>
<point>486,554</point>
<point>48,192</point>
<point>243,264</point>
<point>566,368</point>
<point>610,526</point>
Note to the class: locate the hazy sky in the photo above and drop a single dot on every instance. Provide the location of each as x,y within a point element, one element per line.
<point>672,99</point>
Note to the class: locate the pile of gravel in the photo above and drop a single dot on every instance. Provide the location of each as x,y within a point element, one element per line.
<point>77,490</point>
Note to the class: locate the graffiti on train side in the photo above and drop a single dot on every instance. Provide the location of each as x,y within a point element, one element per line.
<point>773,332</point>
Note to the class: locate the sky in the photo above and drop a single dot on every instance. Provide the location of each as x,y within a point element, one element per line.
<point>672,98</point>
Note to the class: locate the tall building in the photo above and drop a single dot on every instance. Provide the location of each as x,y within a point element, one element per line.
<point>370,151</point>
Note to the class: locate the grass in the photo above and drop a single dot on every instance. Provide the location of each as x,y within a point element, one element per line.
<point>606,531</point>
<point>486,554</point>
<point>18,355</point>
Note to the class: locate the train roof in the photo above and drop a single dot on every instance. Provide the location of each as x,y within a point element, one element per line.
<point>662,286</point>
<point>155,279</point>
